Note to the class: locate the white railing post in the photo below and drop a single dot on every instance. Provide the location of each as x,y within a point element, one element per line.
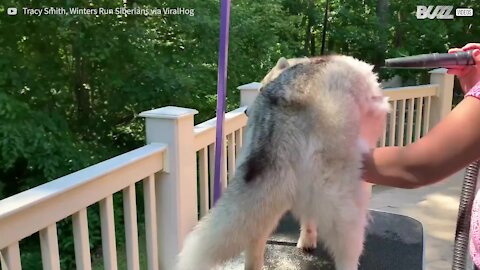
<point>248,93</point>
<point>176,186</point>
<point>442,102</point>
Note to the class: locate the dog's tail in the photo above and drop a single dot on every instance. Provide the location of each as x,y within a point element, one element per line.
<point>212,241</point>
<point>219,236</point>
<point>241,218</point>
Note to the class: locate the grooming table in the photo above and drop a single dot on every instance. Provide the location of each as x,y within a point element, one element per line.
<point>394,242</point>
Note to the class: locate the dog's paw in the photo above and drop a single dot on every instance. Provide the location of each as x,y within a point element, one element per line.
<point>307,242</point>
<point>309,249</point>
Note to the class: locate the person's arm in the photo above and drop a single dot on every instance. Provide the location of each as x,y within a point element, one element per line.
<point>448,147</point>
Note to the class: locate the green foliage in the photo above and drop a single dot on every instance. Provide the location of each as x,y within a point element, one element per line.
<point>37,143</point>
<point>72,86</point>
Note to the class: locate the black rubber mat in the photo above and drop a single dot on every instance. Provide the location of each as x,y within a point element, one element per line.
<point>394,242</point>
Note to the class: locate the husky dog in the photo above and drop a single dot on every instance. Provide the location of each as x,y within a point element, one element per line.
<point>306,133</point>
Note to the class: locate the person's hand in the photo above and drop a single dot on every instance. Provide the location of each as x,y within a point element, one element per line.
<point>467,75</point>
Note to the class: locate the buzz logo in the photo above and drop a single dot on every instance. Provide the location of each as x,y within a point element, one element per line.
<point>434,12</point>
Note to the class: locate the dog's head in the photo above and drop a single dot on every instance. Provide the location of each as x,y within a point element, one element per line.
<point>282,65</point>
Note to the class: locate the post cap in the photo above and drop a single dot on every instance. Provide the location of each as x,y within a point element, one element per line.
<point>169,112</point>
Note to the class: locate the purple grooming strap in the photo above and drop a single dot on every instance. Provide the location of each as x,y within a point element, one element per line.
<point>221,96</point>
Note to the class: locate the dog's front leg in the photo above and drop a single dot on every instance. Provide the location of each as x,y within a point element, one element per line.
<point>254,255</point>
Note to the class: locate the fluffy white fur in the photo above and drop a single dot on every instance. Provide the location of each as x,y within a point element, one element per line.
<point>303,149</point>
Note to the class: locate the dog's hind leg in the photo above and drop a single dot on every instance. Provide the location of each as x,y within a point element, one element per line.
<point>254,253</point>
<point>345,239</point>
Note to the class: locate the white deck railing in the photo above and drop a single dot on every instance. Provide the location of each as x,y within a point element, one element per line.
<point>416,109</point>
<point>176,163</point>
<point>40,208</point>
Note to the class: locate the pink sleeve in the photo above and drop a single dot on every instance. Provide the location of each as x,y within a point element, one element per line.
<point>474,92</point>
<point>475,218</point>
<point>474,244</point>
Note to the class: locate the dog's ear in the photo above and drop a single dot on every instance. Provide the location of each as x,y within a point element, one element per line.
<point>282,63</point>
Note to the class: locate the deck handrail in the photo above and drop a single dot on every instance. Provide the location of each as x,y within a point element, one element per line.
<point>29,198</point>
<point>205,131</point>
<point>406,92</point>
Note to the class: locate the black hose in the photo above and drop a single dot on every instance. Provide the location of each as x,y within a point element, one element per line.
<point>460,248</point>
